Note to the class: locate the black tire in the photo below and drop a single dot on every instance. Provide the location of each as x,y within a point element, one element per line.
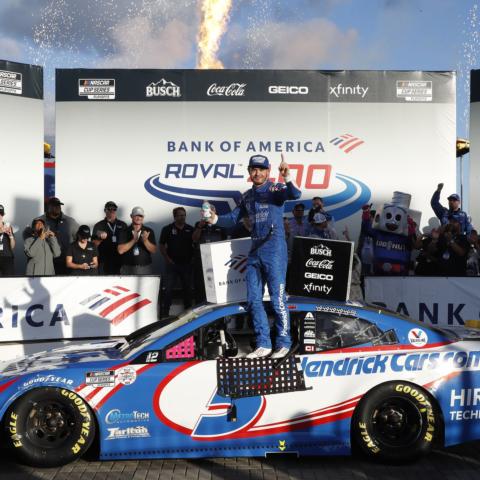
<point>395,422</point>
<point>49,427</point>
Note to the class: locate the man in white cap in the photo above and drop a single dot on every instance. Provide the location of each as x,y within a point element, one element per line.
<point>320,227</point>
<point>136,244</point>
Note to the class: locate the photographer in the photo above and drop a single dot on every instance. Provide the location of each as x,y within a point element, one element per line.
<point>41,247</point>
<point>82,255</point>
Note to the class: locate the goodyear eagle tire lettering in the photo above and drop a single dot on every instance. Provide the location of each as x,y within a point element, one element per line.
<point>49,427</point>
<point>395,421</point>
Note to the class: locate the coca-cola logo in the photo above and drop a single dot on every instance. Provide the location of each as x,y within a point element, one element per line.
<point>232,90</point>
<point>323,264</point>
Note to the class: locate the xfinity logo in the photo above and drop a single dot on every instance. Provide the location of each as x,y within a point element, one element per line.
<point>163,88</point>
<point>287,90</point>
<point>340,90</point>
<point>232,90</point>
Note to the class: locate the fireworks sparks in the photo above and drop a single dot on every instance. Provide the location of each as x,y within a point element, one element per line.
<point>215,16</point>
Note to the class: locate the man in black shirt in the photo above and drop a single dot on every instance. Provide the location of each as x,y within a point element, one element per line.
<point>453,248</point>
<point>136,244</point>
<point>176,246</point>
<point>204,233</point>
<point>7,244</point>
<point>105,236</point>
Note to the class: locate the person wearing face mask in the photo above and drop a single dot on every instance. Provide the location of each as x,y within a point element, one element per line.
<point>105,237</point>
<point>64,227</point>
<point>7,245</point>
<point>82,255</point>
<point>41,247</point>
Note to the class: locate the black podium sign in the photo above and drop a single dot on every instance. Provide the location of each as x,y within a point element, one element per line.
<point>321,268</point>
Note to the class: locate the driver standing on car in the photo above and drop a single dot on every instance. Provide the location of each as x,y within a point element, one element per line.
<point>267,260</point>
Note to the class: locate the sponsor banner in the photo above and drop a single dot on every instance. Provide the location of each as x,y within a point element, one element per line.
<point>21,166</point>
<point>433,300</point>
<point>63,308</point>
<point>195,144</point>
<point>321,268</point>
<point>261,86</point>
<point>224,270</point>
<point>474,156</point>
<point>21,80</point>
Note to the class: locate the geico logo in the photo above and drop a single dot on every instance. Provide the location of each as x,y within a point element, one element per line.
<point>319,276</point>
<point>34,316</point>
<point>288,89</point>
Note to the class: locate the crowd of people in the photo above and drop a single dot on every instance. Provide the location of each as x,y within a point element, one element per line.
<point>55,244</point>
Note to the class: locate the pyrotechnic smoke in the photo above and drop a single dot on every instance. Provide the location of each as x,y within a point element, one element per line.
<point>215,16</point>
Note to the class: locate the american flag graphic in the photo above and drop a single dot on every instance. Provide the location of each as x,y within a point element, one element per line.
<point>115,303</point>
<point>346,142</point>
<point>238,262</point>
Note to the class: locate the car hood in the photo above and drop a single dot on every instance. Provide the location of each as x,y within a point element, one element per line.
<point>463,332</point>
<point>61,357</point>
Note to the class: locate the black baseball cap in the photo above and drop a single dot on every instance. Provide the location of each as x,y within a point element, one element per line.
<point>84,231</point>
<point>54,201</point>
<point>111,204</point>
<point>454,196</point>
<point>2,210</point>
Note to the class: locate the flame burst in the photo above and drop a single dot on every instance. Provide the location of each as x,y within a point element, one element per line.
<point>215,16</point>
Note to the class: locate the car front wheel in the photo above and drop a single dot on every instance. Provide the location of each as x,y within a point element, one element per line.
<point>49,427</point>
<point>395,422</point>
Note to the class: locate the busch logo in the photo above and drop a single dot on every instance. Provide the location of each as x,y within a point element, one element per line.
<point>322,264</point>
<point>321,250</point>
<point>232,90</point>
<point>163,88</point>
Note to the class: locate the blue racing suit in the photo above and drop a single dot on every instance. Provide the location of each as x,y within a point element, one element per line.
<point>268,257</point>
<point>443,213</point>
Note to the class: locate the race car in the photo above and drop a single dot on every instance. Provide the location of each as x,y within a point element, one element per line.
<point>357,378</point>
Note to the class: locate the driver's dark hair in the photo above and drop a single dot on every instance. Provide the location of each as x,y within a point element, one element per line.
<point>178,209</point>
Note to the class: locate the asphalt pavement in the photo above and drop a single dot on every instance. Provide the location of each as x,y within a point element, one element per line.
<point>455,463</point>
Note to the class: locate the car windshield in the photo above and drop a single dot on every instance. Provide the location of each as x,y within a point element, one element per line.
<point>138,339</point>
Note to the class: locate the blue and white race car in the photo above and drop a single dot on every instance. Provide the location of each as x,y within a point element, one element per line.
<point>358,378</point>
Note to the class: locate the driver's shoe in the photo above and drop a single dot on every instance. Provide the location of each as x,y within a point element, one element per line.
<point>280,352</point>
<point>260,352</point>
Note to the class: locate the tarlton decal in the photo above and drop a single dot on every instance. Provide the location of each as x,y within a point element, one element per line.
<point>138,431</point>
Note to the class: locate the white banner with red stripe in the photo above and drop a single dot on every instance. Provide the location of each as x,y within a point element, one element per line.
<point>51,308</point>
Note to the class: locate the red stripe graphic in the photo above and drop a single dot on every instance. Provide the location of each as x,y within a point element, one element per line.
<point>113,292</point>
<point>123,289</point>
<point>118,303</point>
<point>348,142</point>
<point>132,309</point>
<point>355,145</point>
<point>384,348</point>
<point>120,385</point>
<point>7,384</point>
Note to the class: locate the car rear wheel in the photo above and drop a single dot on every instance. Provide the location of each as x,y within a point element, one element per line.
<point>395,422</point>
<point>49,427</point>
